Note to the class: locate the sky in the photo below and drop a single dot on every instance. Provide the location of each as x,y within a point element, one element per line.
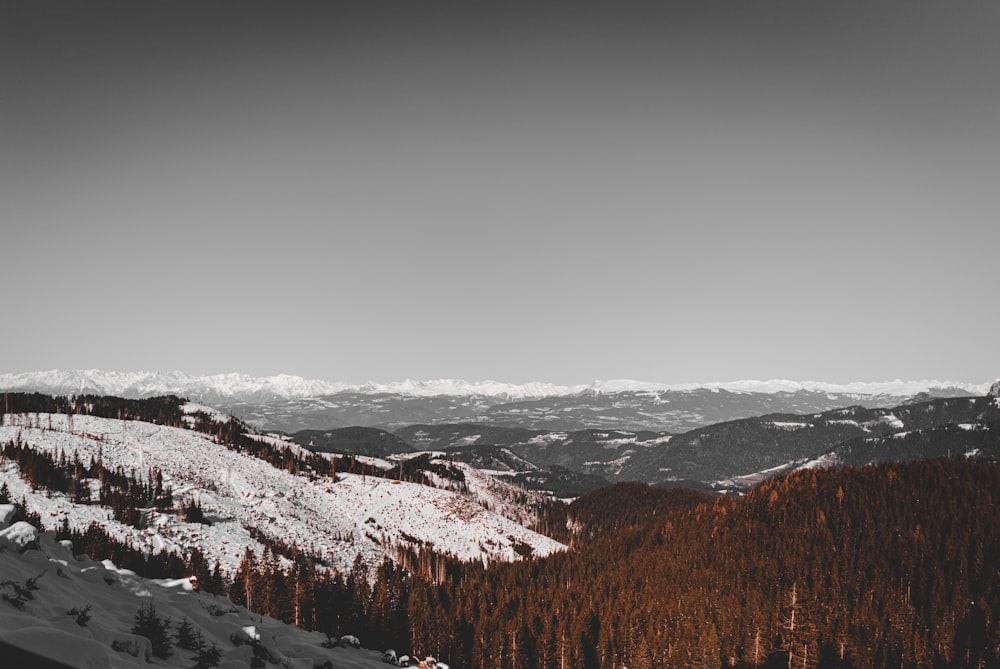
<point>672,192</point>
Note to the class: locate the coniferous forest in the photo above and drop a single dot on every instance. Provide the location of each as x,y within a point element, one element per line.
<point>888,565</point>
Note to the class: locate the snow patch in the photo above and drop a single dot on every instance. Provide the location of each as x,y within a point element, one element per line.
<point>20,534</point>
<point>787,425</point>
<point>7,512</point>
<point>193,408</point>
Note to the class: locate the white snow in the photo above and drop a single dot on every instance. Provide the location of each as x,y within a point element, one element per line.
<point>782,425</point>
<point>749,480</point>
<point>20,534</point>
<point>617,462</point>
<point>216,415</point>
<point>548,438</point>
<point>250,632</point>
<point>6,513</point>
<point>827,460</point>
<point>890,420</point>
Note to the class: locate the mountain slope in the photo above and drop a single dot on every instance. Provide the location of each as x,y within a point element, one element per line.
<point>340,519</point>
<point>972,433</point>
<point>749,450</point>
<point>597,453</point>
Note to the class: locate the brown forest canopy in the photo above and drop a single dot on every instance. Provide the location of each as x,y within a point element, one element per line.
<point>885,565</point>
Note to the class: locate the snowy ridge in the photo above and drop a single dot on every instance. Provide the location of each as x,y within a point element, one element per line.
<point>242,386</point>
<point>249,388</point>
<point>339,520</point>
<point>149,384</point>
<point>897,387</point>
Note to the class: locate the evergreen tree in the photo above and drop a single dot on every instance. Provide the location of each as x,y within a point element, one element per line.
<point>187,636</point>
<point>208,655</point>
<point>156,629</point>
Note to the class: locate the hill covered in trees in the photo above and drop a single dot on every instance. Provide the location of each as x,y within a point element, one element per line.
<point>891,565</point>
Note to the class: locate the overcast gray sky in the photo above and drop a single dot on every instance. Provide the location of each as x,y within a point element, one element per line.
<point>672,192</point>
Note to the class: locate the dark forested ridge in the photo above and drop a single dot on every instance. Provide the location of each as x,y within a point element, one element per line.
<point>889,565</point>
<point>977,441</point>
<point>741,447</point>
<point>165,410</point>
<point>626,506</point>
<point>367,441</point>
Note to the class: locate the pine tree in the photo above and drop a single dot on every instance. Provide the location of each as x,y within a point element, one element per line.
<point>241,590</point>
<point>208,656</point>
<point>156,629</point>
<point>759,649</point>
<point>800,634</point>
<point>187,636</point>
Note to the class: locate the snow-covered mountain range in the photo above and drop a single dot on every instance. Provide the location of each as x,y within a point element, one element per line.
<point>245,388</point>
<point>291,403</point>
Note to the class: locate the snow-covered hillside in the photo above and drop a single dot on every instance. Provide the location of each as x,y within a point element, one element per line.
<point>339,520</point>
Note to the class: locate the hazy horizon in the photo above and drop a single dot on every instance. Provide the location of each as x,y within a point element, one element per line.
<point>679,192</point>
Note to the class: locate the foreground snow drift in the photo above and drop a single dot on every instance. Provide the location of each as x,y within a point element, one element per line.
<point>82,612</point>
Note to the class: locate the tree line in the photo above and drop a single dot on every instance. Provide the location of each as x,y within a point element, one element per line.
<point>125,493</point>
